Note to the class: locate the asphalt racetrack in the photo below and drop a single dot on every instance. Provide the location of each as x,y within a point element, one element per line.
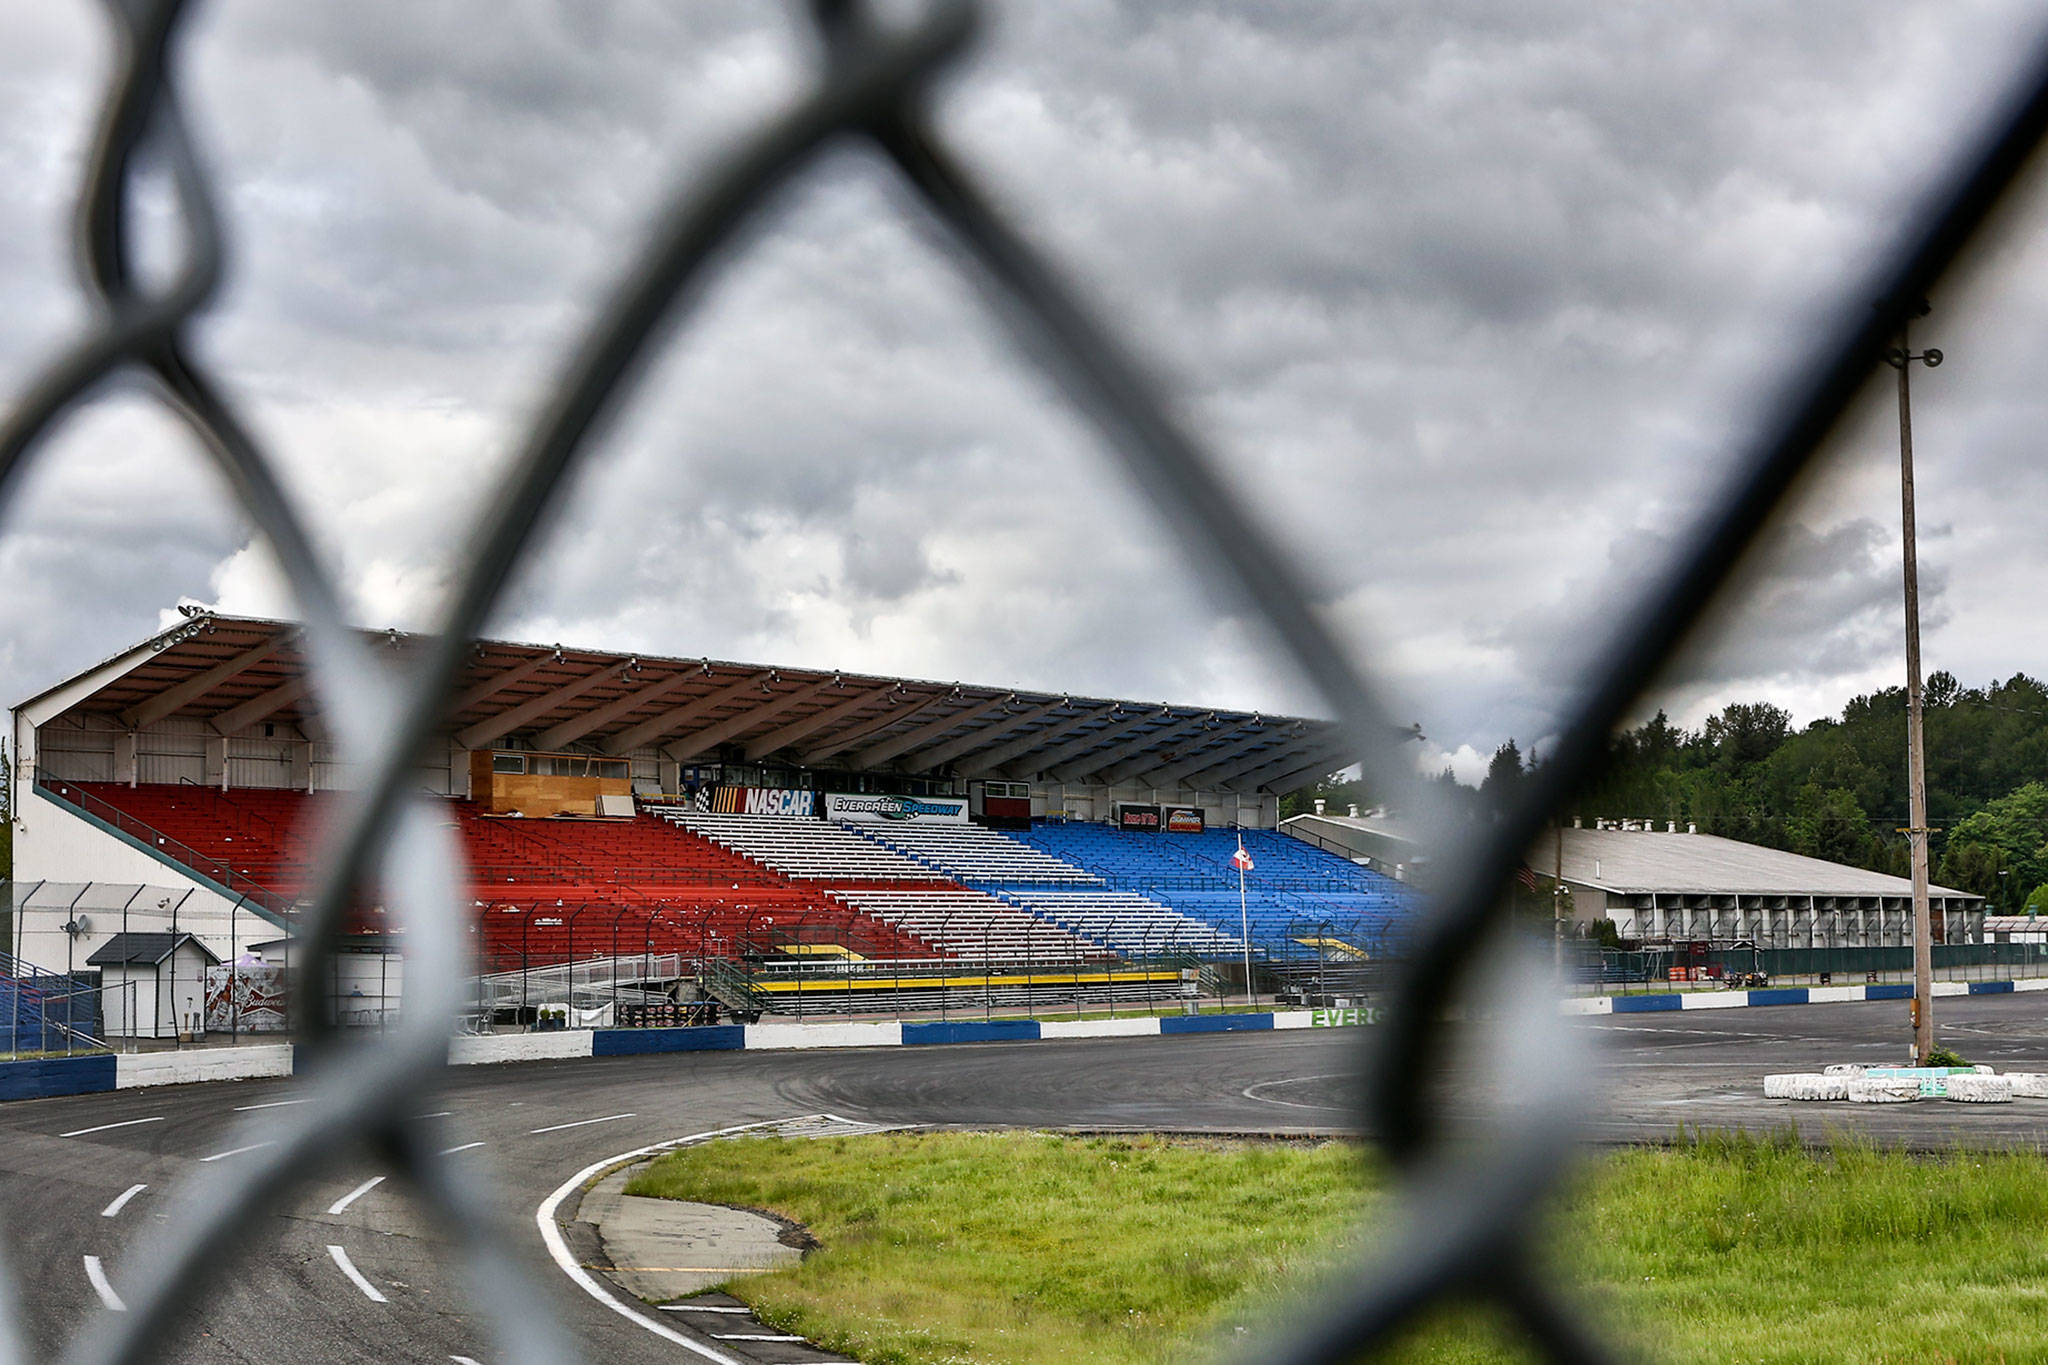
<point>348,1270</point>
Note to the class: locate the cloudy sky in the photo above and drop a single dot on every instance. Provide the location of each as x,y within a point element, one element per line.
<point>1474,300</point>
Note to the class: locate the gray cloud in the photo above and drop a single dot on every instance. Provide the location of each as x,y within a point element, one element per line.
<point>1474,300</point>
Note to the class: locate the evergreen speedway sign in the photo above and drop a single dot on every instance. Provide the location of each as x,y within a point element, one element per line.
<point>948,810</point>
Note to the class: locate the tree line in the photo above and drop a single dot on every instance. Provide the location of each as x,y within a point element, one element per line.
<point>1835,789</point>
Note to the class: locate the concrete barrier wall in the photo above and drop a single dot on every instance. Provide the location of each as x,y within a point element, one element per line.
<point>770,1037</point>
<point>132,1070</point>
<point>520,1047</point>
<point>83,1075</point>
<point>48,1076</point>
<point>1098,1028</point>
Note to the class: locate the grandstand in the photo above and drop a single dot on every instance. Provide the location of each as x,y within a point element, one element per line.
<point>809,849</point>
<point>621,812</point>
<point>974,855</point>
<point>1300,901</point>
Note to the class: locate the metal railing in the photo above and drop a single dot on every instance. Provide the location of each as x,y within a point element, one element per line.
<point>215,870</point>
<point>1468,1221</point>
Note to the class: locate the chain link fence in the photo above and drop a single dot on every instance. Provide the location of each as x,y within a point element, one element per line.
<point>1470,1206</point>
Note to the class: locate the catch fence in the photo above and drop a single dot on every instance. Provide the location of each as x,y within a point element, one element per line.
<point>1466,1227</point>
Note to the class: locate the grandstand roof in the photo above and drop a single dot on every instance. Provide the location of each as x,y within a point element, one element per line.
<point>235,673</point>
<point>1649,862</point>
<point>1640,861</point>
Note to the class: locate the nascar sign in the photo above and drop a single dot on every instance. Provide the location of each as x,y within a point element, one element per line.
<point>874,807</point>
<point>758,801</point>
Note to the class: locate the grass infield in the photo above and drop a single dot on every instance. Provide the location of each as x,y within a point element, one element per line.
<point>1027,1248</point>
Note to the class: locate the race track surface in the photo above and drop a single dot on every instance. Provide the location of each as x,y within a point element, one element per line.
<point>292,1298</point>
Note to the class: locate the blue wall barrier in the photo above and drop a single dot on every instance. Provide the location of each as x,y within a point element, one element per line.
<point>628,1042</point>
<point>1215,1023</point>
<point>1783,995</point>
<point>998,1031</point>
<point>49,1076</point>
<point>1647,1004</point>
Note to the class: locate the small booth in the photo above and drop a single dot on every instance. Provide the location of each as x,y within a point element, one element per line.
<point>517,782</point>
<point>153,985</point>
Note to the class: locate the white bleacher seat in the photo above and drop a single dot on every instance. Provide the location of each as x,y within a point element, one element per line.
<point>973,853</point>
<point>806,849</point>
<point>969,925</point>
<point>1132,924</point>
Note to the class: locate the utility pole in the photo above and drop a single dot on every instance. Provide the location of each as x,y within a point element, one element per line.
<point>1901,358</point>
<point>1557,902</point>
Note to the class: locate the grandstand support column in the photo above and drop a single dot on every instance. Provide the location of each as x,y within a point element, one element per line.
<point>124,758</point>
<point>1901,358</point>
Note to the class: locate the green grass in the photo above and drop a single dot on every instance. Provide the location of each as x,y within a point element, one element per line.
<point>1035,1249</point>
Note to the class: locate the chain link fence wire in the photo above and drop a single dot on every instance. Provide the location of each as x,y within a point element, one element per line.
<point>1471,1209</point>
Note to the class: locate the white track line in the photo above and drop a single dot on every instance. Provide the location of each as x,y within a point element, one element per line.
<point>98,1275</point>
<point>700,1308</point>
<point>348,1268</point>
<point>440,1114</point>
<point>451,1151</point>
<point>274,1104</point>
<point>754,1336</point>
<point>341,1205</point>
<point>237,1151</point>
<point>121,1200</point>
<point>464,1360</point>
<point>124,1123</point>
<point>551,1233</point>
<point>1249,1092</point>
<point>580,1123</point>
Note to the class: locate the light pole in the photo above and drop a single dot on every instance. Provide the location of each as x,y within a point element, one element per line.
<point>1901,358</point>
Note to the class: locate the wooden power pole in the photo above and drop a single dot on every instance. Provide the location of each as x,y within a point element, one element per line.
<point>1902,359</point>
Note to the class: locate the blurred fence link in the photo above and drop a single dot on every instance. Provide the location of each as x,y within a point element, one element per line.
<point>1472,1210</point>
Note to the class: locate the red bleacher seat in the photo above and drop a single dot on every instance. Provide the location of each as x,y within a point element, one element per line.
<point>544,890</point>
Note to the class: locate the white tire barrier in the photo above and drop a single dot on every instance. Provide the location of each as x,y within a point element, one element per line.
<point>1980,1089</point>
<point>2028,1085</point>
<point>1866,1091</point>
<point>1805,1086</point>
<point>1843,1069</point>
<point>1982,1070</point>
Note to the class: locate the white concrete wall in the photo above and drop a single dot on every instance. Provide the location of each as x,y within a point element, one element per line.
<point>519,1047</point>
<point>201,1064</point>
<point>1095,1028</point>
<point>823,1035</point>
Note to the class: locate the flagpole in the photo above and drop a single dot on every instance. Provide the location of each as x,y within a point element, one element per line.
<point>1244,923</point>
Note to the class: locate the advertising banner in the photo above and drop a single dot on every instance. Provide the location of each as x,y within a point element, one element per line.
<point>944,810</point>
<point>1184,820</point>
<point>248,997</point>
<point>761,801</point>
<point>1144,819</point>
